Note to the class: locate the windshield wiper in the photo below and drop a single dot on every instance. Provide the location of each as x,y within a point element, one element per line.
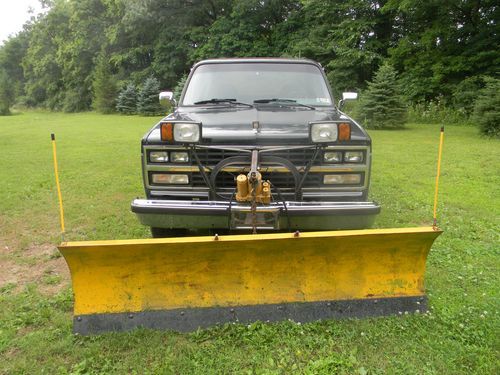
<point>290,102</point>
<point>222,101</point>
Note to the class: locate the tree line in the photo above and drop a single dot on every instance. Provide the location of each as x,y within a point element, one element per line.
<point>80,54</point>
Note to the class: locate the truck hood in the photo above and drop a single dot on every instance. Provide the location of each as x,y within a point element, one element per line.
<point>270,124</point>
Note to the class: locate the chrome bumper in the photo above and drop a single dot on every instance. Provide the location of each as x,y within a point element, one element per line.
<point>275,216</point>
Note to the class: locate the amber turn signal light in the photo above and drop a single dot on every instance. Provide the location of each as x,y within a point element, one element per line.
<point>344,131</point>
<point>167,133</point>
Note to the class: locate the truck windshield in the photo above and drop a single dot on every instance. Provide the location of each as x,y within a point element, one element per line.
<point>246,82</point>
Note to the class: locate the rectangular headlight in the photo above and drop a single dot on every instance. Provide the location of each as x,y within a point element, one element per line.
<point>158,156</point>
<point>187,133</point>
<point>332,157</point>
<point>324,132</point>
<point>170,179</point>
<point>342,179</point>
<point>179,157</point>
<point>353,157</point>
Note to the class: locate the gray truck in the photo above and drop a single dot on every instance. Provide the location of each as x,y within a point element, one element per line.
<point>255,144</point>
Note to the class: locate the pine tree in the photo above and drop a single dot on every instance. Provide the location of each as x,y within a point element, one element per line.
<point>104,87</point>
<point>126,102</point>
<point>486,109</point>
<point>382,105</point>
<point>179,87</point>
<point>147,103</point>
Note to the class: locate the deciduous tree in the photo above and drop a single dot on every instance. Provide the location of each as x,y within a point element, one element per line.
<point>7,93</point>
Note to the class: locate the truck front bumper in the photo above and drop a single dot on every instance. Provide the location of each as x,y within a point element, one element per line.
<point>302,216</point>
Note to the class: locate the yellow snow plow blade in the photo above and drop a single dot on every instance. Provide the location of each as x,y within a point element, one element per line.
<point>191,282</point>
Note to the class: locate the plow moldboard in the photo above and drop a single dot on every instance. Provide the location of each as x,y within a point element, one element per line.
<point>191,282</point>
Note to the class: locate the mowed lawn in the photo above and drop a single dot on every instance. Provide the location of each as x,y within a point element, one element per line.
<point>99,161</point>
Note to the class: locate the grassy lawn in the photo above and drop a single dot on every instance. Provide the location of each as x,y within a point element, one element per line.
<point>99,160</point>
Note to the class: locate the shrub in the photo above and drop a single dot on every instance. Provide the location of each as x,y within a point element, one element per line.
<point>147,103</point>
<point>381,105</point>
<point>126,102</point>
<point>435,111</point>
<point>75,100</point>
<point>487,108</point>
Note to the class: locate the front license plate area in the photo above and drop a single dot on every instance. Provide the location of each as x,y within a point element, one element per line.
<point>264,219</point>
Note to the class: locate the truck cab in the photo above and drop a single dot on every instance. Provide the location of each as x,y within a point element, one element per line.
<point>256,144</point>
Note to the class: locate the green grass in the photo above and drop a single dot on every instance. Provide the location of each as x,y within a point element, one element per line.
<point>99,160</point>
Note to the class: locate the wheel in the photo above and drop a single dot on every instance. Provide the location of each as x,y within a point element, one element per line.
<point>167,232</point>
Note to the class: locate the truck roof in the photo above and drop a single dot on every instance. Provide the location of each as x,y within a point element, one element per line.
<point>258,60</point>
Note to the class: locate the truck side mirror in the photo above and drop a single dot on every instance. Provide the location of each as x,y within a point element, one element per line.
<point>167,98</point>
<point>347,96</point>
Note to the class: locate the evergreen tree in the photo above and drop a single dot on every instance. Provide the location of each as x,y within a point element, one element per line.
<point>381,105</point>
<point>486,109</point>
<point>104,87</point>
<point>126,102</point>
<point>179,87</point>
<point>148,103</point>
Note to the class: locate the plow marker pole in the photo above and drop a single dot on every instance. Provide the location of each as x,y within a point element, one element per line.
<point>438,173</point>
<point>59,195</point>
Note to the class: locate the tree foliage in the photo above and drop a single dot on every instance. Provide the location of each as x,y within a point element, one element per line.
<point>42,66</point>
<point>434,46</point>
<point>382,105</point>
<point>441,43</point>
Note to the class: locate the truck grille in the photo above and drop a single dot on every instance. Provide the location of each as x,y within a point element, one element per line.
<point>283,180</point>
<point>298,157</point>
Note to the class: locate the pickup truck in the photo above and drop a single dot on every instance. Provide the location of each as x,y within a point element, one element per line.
<point>255,144</point>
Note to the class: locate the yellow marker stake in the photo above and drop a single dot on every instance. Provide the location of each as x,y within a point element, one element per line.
<point>441,138</point>
<point>56,172</point>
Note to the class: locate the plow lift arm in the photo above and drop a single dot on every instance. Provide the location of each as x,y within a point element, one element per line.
<point>193,282</point>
